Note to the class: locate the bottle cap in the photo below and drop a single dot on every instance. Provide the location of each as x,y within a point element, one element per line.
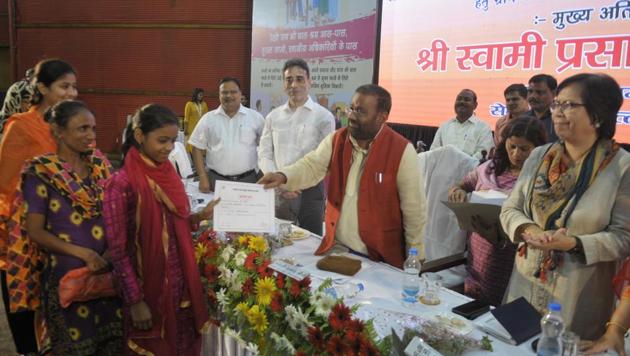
<point>413,251</point>
<point>555,307</point>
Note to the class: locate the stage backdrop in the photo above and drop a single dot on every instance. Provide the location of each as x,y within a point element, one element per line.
<point>432,49</point>
<point>336,38</point>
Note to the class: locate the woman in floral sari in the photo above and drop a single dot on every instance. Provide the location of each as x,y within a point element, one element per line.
<point>62,195</point>
<point>569,209</point>
<point>149,232</point>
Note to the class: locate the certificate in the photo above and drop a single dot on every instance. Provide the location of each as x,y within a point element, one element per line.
<point>244,207</point>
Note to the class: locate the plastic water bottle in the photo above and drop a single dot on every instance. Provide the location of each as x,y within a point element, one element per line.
<point>411,279</point>
<point>552,327</point>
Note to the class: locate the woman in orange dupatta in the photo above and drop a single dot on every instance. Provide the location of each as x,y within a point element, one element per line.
<point>149,223</point>
<point>27,135</point>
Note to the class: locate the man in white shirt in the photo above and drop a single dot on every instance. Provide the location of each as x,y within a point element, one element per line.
<point>465,131</point>
<point>291,131</point>
<point>229,136</point>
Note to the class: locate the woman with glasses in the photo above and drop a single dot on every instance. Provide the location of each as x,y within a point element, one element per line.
<point>568,211</point>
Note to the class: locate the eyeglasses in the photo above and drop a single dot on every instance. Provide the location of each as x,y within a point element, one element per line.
<point>564,106</point>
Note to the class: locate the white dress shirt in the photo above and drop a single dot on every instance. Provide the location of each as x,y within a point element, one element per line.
<point>290,134</point>
<point>471,136</point>
<point>230,143</point>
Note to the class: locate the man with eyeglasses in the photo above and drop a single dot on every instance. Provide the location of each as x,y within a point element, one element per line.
<point>540,94</point>
<point>291,131</point>
<point>465,131</point>
<point>229,137</point>
<point>375,204</point>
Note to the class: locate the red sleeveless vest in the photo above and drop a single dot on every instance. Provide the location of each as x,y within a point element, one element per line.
<point>378,206</point>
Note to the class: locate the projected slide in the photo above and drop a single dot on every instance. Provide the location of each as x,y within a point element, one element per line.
<point>337,38</point>
<point>432,49</point>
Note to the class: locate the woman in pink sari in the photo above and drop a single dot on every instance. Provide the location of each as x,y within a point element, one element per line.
<point>490,265</point>
<point>149,226</point>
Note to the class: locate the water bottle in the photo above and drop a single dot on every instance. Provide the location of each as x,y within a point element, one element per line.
<point>552,327</point>
<point>411,279</point>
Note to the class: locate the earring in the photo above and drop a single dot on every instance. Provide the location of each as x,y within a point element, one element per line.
<point>597,124</point>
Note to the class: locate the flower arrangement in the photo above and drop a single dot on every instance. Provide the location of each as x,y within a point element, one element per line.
<point>274,314</point>
<point>271,312</point>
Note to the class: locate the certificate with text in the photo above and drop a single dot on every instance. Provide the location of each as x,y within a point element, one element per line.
<point>244,207</point>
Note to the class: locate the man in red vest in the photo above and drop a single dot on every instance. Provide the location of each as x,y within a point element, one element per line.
<point>375,203</point>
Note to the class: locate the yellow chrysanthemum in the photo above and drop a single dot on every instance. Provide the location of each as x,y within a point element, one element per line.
<point>76,218</point>
<point>42,192</point>
<point>83,311</point>
<point>97,232</point>
<point>200,250</point>
<point>25,207</point>
<point>257,319</point>
<point>75,334</point>
<point>64,237</point>
<point>119,313</point>
<point>258,244</point>
<point>54,205</point>
<point>243,240</point>
<point>242,307</point>
<point>264,290</point>
<point>53,261</point>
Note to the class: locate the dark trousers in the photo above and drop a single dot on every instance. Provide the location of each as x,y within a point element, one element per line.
<point>250,178</point>
<point>22,324</point>
<point>307,210</point>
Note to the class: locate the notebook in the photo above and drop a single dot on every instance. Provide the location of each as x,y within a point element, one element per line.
<point>514,322</point>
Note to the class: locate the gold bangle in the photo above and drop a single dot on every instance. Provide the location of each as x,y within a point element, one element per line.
<point>614,323</point>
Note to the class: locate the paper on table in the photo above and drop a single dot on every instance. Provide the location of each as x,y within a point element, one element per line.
<point>244,207</point>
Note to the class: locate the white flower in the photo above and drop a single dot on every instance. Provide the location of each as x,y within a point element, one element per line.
<point>227,253</point>
<point>297,320</point>
<point>222,298</point>
<point>240,257</point>
<point>282,343</point>
<point>226,274</point>
<point>235,282</point>
<point>323,303</point>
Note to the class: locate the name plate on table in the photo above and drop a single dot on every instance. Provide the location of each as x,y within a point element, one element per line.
<point>290,270</point>
<point>417,347</point>
<point>244,207</point>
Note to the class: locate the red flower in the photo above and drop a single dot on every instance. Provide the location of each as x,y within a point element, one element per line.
<point>276,302</point>
<point>211,273</point>
<point>300,353</point>
<point>211,249</point>
<point>263,271</point>
<point>248,286</point>
<point>316,338</point>
<point>355,341</point>
<point>250,261</point>
<point>306,283</point>
<point>339,316</point>
<point>356,325</point>
<point>280,281</point>
<point>336,346</point>
<point>368,349</point>
<point>295,289</point>
<point>207,235</point>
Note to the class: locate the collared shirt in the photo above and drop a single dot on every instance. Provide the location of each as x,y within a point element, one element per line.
<point>314,166</point>
<point>290,134</point>
<point>230,143</point>
<point>471,136</point>
<point>548,123</point>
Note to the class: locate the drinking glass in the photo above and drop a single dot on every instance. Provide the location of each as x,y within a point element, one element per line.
<point>570,341</point>
<point>432,284</point>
